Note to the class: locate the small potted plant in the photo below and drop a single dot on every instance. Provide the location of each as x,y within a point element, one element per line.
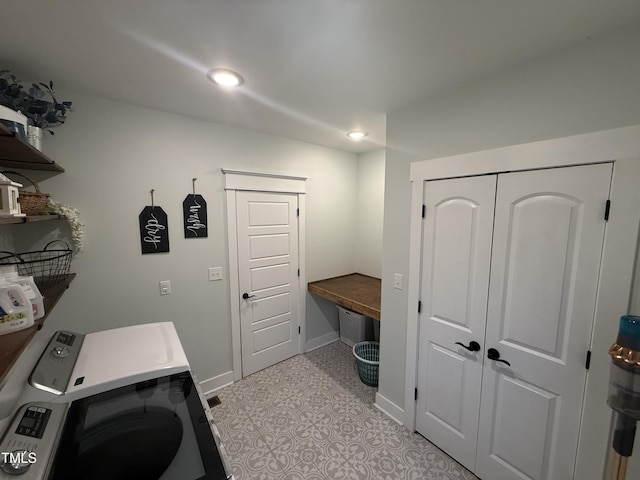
<point>38,104</point>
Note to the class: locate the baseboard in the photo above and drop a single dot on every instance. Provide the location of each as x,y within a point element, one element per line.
<point>389,408</point>
<point>210,386</point>
<point>322,341</point>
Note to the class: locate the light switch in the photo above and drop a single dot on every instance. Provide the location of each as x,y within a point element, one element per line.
<point>397,281</point>
<point>165,287</point>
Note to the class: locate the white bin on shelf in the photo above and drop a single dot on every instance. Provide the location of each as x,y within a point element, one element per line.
<point>354,327</point>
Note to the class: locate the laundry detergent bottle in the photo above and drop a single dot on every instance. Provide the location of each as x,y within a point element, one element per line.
<point>16,312</point>
<point>9,274</point>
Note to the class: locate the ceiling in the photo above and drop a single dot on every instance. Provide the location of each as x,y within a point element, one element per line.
<point>313,69</point>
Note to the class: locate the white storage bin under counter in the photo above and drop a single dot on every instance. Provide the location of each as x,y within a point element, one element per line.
<point>354,327</point>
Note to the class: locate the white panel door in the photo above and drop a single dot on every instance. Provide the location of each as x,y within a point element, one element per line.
<point>456,259</point>
<point>268,278</point>
<point>547,243</point>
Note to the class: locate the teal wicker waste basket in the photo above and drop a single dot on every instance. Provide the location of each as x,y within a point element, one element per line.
<point>368,359</point>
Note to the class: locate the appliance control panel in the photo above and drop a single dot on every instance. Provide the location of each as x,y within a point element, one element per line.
<point>53,370</point>
<point>28,445</point>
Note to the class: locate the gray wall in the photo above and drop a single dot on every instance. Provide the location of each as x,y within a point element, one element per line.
<point>369,213</point>
<point>113,155</point>
<point>592,86</point>
<point>369,204</point>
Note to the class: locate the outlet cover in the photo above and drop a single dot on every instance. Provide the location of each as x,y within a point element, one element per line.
<point>215,273</point>
<point>397,281</point>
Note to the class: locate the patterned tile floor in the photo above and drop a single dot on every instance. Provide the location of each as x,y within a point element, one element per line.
<point>310,417</point>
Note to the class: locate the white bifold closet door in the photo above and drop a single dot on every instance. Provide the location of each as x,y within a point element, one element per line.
<point>455,284</point>
<point>540,289</point>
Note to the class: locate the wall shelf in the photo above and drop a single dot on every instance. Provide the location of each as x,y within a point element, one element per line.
<point>16,154</point>
<point>12,344</point>
<point>30,219</point>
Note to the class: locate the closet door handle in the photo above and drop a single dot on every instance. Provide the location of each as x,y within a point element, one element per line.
<point>472,347</point>
<point>246,296</point>
<point>493,354</point>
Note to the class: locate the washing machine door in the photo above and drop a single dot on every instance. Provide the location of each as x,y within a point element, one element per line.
<point>152,430</point>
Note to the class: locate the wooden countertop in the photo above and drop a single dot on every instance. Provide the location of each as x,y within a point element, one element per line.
<point>356,292</point>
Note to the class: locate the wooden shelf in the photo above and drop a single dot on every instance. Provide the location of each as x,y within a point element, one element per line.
<point>31,219</point>
<point>356,292</point>
<point>16,154</point>
<point>12,344</point>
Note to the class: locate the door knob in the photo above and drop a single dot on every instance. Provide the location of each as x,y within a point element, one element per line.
<point>493,354</point>
<point>247,296</point>
<point>472,347</point>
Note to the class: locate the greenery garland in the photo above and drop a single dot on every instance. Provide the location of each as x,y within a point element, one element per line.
<point>73,218</point>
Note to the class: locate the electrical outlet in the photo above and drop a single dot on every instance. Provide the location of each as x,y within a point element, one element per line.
<point>397,281</point>
<point>215,273</point>
<point>165,287</point>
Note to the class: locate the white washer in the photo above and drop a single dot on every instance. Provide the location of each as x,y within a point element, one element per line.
<point>117,404</point>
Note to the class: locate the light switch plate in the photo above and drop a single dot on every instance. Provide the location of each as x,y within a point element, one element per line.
<point>165,287</point>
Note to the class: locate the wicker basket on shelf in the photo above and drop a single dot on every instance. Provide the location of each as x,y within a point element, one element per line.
<point>31,203</point>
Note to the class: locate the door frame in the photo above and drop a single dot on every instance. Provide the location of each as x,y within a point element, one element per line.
<point>260,182</point>
<point>620,146</point>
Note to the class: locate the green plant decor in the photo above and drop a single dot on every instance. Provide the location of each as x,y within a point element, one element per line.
<point>38,103</point>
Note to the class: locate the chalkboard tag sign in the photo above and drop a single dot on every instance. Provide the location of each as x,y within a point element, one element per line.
<point>195,216</point>
<point>154,230</point>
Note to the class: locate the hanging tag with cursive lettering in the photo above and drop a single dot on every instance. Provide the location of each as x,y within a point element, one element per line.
<point>195,216</point>
<point>154,230</point>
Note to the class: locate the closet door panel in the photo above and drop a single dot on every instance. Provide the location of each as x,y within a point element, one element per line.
<point>543,239</point>
<point>547,243</point>
<point>510,395</point>
<point>455,276</point>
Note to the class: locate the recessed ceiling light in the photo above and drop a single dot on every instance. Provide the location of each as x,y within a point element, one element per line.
<point>225,77</point>
<point>357,134</point>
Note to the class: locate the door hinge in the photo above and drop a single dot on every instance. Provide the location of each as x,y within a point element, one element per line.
<point>299,331</point>
<point>419,306</point>
<point>424,210</point>
<point>415,394</point>
<point>298,272</point>
<point>607,208</point>
<point>297,212</point>
<point>588,362</point>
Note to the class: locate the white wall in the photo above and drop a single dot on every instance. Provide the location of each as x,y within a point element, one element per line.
<point>369,213</point>
<point>592,86</point>
<point>366,237</point>
<point>113,155</point>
